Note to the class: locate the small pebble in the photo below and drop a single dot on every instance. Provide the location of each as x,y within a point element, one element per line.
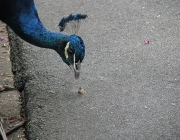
<point>81,90</point>
<point>145,107</point>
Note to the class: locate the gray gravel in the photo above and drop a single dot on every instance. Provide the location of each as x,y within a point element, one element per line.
<point>132,90</point>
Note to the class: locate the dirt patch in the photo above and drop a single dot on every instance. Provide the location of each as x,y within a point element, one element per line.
<point>10,105</point>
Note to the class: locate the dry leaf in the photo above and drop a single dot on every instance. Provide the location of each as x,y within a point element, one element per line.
<point>1,31</point>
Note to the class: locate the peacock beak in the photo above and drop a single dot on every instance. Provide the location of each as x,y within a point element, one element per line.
<point>76,67</point>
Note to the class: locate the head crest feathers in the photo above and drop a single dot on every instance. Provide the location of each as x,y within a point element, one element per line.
<point>74,22</point>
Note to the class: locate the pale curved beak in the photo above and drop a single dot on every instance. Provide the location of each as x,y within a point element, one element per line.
<point>76,67</point>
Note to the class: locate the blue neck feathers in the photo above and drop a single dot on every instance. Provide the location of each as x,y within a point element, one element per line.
<point>26,24</point>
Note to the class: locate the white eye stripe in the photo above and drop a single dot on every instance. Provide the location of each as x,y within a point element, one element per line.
<point>65,50</point>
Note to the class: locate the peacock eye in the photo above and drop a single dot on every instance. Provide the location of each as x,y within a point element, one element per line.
<point>70,52</point>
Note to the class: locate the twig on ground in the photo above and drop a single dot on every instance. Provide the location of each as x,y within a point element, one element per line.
<point>17,126</point>
<point>6,88</point>
<point>3,132</point>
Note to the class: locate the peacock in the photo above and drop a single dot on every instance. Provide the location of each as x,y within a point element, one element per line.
<point>22,17</point>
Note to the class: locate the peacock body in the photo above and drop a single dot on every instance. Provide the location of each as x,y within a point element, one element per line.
<point>22,17</point>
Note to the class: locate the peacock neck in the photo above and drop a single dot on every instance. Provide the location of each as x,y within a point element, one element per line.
<point>35,33</point>
<point>28,26</point>
<point>41,37</point>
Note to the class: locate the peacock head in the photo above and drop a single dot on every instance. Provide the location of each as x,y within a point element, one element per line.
<point>74,48</point>
<point>74,53</point>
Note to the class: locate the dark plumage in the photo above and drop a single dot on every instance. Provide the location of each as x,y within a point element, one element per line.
<point>22,17</point>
